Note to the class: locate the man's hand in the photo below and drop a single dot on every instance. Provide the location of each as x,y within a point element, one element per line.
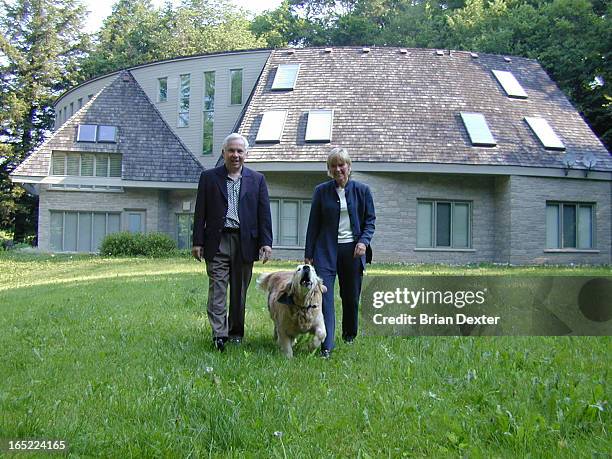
<point>198,252</point>
<point>265,253</point>
<point>360,250</point>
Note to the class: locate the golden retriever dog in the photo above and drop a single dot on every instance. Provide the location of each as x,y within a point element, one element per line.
<point>295,300</point>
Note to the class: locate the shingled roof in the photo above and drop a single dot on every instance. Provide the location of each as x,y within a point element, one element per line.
<point>150,150</point>
<point>393,105</point>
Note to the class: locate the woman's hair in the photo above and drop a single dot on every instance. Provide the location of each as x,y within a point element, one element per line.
<point>338,155</point>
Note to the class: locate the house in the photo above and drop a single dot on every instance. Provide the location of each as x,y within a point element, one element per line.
<point>470,158</point>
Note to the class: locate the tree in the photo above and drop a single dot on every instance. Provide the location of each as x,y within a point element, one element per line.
<point>40,45</point>
<point>129,36</point>
<point>136,33</point>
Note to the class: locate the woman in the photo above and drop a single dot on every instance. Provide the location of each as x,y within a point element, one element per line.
<point>340,228</point>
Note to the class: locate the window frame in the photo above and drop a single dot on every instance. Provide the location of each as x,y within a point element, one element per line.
<point>208,113</point>
<point>301,225</point>
<point>184,100</point>
<point>231,86</point>
<point>434,223</point>
<point>78,214</point>
<point>161,99</point>
<point>561,205</point>
<point>189,232</point>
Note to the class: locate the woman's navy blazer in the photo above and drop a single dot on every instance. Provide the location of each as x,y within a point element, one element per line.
<point>322,233</point>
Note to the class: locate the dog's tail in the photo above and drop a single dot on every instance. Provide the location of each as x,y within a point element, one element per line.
<point>263,281</point>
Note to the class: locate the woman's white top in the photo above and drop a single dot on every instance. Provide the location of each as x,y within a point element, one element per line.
<point>345,234</point>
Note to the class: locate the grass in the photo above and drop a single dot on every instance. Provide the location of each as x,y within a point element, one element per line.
<point>114,356</point>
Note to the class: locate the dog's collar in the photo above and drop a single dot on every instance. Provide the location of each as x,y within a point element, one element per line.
<point>287,299</point>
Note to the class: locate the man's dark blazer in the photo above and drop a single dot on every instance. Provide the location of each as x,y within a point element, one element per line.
<point>322,233</point>
<point>253,212</point>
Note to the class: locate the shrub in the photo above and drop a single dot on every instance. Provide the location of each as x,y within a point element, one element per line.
<point>134,244</point>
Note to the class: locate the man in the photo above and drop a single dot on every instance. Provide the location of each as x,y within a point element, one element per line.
<point>232,228</point>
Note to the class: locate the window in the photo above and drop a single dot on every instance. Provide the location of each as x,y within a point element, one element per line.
<point>208,120</point>
<point>319,126</point>
<point>80,102</point>
<point>81,231</point>
<point>478,129</point>
<point>86,164</point>
<point>135,221</point>
<point>162,89</point>
<point>569,225</point>
<point>236,87</point>
<point>289,221</point>
<point>286,76</point>
<point>87,133</point>
<point>545,133</point>
<point>184,93</point>
<point>184,230</point>
<point>107,134</point>
<point>511,86</point>
<point>271,127</point>
<point>443,224</point>
<point>71,108</point>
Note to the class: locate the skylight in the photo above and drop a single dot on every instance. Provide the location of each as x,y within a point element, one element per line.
<point>510,84</point>
<point>271,127</point>
<point>86,133</point>
<point>545,133</point>
<point>478,129</point>
<point>107,133</point>
<point>319,127</point>
<point>286,76</point>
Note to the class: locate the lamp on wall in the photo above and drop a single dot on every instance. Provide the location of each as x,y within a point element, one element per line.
<point>589,160</point>
<point>569,160</point>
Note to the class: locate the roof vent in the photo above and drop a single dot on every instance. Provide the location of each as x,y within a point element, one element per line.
<point>474,55</point>
<point>125,76</point>
<point>291,51</point>
<point>328,50</point>
<point>507,59</point>
<point>403,51</point>
<point>440,52</point>
<point>365,50</point>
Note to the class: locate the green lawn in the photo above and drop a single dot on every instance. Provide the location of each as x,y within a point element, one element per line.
<point>114,356</point>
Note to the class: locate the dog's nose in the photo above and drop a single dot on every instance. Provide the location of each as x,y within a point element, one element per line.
<point>306,268</point>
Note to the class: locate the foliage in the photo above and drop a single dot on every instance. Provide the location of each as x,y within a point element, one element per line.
<point>114,356</point>
<point>134,244</point>
<point>136,32</point>
<point>40,44</point>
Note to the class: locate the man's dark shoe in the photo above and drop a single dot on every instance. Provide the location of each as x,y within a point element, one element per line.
<point>325,353</point>
<point>349,339</point>
<point>219,344</point>
<point>235,340</point>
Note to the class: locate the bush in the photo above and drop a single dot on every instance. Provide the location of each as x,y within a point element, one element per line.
<point>134,244</point>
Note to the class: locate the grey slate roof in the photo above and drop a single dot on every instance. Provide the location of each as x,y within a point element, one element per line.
<point>151,151</point>
<point>394,107</point>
